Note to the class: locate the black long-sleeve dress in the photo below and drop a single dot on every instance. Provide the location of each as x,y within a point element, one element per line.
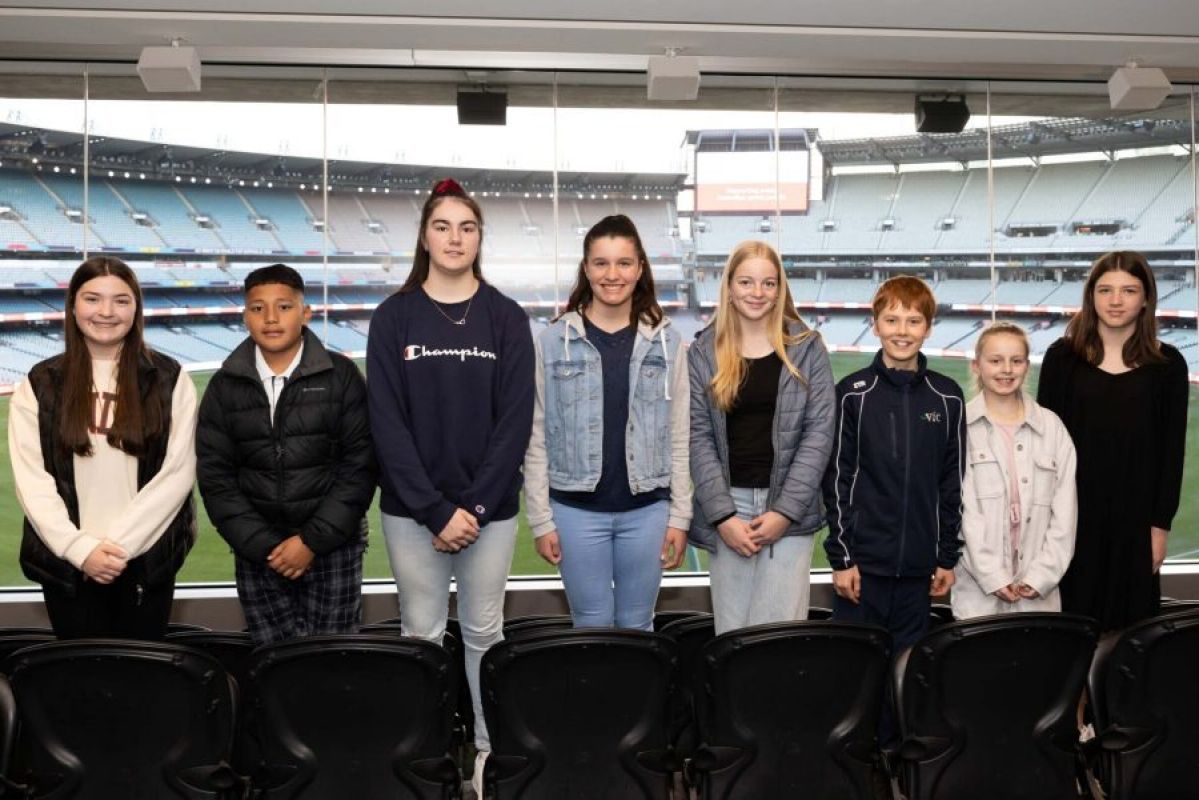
<point>1129,430</point>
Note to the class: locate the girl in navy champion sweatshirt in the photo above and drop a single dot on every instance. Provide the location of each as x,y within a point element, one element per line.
<point>450,381</point>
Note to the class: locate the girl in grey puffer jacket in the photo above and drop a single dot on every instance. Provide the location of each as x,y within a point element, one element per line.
<point>762,416</point>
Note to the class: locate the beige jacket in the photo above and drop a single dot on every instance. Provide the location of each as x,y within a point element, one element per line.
<point>1045,463</point>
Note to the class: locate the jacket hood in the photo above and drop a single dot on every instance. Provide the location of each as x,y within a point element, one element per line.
<point>574,324</point>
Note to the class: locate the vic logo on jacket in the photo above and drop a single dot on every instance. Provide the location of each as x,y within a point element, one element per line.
<point>932,416</point>
<point>415,351</point>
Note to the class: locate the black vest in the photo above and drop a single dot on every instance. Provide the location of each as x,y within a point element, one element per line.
<point>157,566</point>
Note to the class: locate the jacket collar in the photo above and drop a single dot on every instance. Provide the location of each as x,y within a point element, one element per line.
<point>315,358</point>
<point>1034,416</point>
<point>575,328</point>
<point>897,377</point>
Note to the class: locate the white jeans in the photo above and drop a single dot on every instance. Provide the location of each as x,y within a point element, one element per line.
<point>423,583</point>
<point>772,586</point>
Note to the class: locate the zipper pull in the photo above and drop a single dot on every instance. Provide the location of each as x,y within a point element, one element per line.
<point>141,594</point>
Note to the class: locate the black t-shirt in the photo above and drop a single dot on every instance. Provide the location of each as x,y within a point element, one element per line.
<point>751,424</point>
<point>612,492</point>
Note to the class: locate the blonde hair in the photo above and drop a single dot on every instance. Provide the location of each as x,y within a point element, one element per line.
<point>995,329</point>
<point>731,367</point>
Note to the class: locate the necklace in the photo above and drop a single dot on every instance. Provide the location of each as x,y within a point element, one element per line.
<point>450,319</point>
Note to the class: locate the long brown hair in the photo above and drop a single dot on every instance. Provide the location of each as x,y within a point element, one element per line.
<point>1082,332</point>
<point>137,420</point>
<point>444,190</point>
<point>731,368</point>
<point>645,302</point>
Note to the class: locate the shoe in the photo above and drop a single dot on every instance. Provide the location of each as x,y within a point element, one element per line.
<point>476,777</point>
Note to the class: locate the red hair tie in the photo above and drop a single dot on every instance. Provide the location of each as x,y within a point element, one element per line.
<point>448,186</point>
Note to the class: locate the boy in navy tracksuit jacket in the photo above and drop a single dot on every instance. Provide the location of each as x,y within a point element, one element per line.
<point>893,489</point>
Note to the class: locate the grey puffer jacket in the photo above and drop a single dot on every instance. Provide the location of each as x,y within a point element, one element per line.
<point>804,418</point>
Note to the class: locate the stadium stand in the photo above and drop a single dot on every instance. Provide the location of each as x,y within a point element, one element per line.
<point>291,218</point>
<point>933,221</point>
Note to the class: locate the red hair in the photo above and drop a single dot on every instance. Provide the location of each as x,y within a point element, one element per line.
<point>905,291</point>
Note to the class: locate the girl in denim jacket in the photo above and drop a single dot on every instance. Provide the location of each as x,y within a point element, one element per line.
<point>1019,498</point>
<point>607,489</point>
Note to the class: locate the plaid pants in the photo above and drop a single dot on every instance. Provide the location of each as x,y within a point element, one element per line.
<point>326,599</point>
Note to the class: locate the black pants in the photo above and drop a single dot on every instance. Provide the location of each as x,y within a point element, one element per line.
<point>124,609</point>
<point>901,605</point>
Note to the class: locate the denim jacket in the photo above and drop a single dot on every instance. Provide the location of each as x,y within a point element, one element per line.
<point>566,448</point>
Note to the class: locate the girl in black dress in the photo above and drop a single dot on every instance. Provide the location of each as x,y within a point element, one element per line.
<point>1123,396</point>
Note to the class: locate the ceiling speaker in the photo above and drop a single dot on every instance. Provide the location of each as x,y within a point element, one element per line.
<point>672,78</point>
<point>482,108</point>
<point>1137,88</point>
<point>169,69</point>
<point>941,115</point>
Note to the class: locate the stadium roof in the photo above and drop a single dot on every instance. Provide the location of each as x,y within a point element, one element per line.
<point>1032,139</point>
<point>751,139</point>
<point>39,148</point>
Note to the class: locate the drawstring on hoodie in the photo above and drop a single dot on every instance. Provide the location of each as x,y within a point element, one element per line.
<point>666,358</point>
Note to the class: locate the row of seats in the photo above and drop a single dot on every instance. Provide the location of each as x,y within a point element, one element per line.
<point>986,708</point>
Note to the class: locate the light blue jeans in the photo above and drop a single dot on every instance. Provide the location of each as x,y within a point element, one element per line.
<point>772,586</point>
<point>423,583</point>
<point>611,564</point>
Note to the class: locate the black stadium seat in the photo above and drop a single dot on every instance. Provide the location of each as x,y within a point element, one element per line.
<point>664,618</point>
<point>790,710</point>
<point>119,719</point>
<point>1145,700</point>
<point>690,635</point>
<point>579,713</point>
<point>987,708</point>
<point>360,716</point>
<point>523,626</point>
<point>233,649</point>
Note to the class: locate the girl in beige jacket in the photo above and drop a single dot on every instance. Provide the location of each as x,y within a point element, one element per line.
<point>1018,495</point>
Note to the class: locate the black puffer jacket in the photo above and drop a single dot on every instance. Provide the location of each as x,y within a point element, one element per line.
<point>312,473</point>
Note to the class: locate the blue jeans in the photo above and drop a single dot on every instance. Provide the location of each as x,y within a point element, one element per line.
<point>772,586</point>
<point>611,564</point>
<point>423,582</point>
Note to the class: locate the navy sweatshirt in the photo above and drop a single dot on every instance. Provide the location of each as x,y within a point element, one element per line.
<point>894,485</point>
<point>451,405</point>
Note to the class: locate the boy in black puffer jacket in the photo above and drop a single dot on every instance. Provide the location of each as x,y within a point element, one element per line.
<point>286,467</point>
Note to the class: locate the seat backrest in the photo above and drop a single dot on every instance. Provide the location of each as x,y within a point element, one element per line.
<point>664,618</point>
<point>690,635</point>
<point>522,626</point>
<point>1146,700</point>
<point>790,710</point>
<point>360,715</point>
<point>231,648</point>
<point>988,707</point>
<point>113,718</point>
<point>13,642</point>
<point>8,726</point>
<point>579,714</point>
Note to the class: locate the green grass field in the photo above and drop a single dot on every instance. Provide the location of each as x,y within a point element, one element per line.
<point>211,560</point>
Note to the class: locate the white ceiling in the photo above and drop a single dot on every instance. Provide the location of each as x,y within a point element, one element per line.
<point>1041,39</point>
